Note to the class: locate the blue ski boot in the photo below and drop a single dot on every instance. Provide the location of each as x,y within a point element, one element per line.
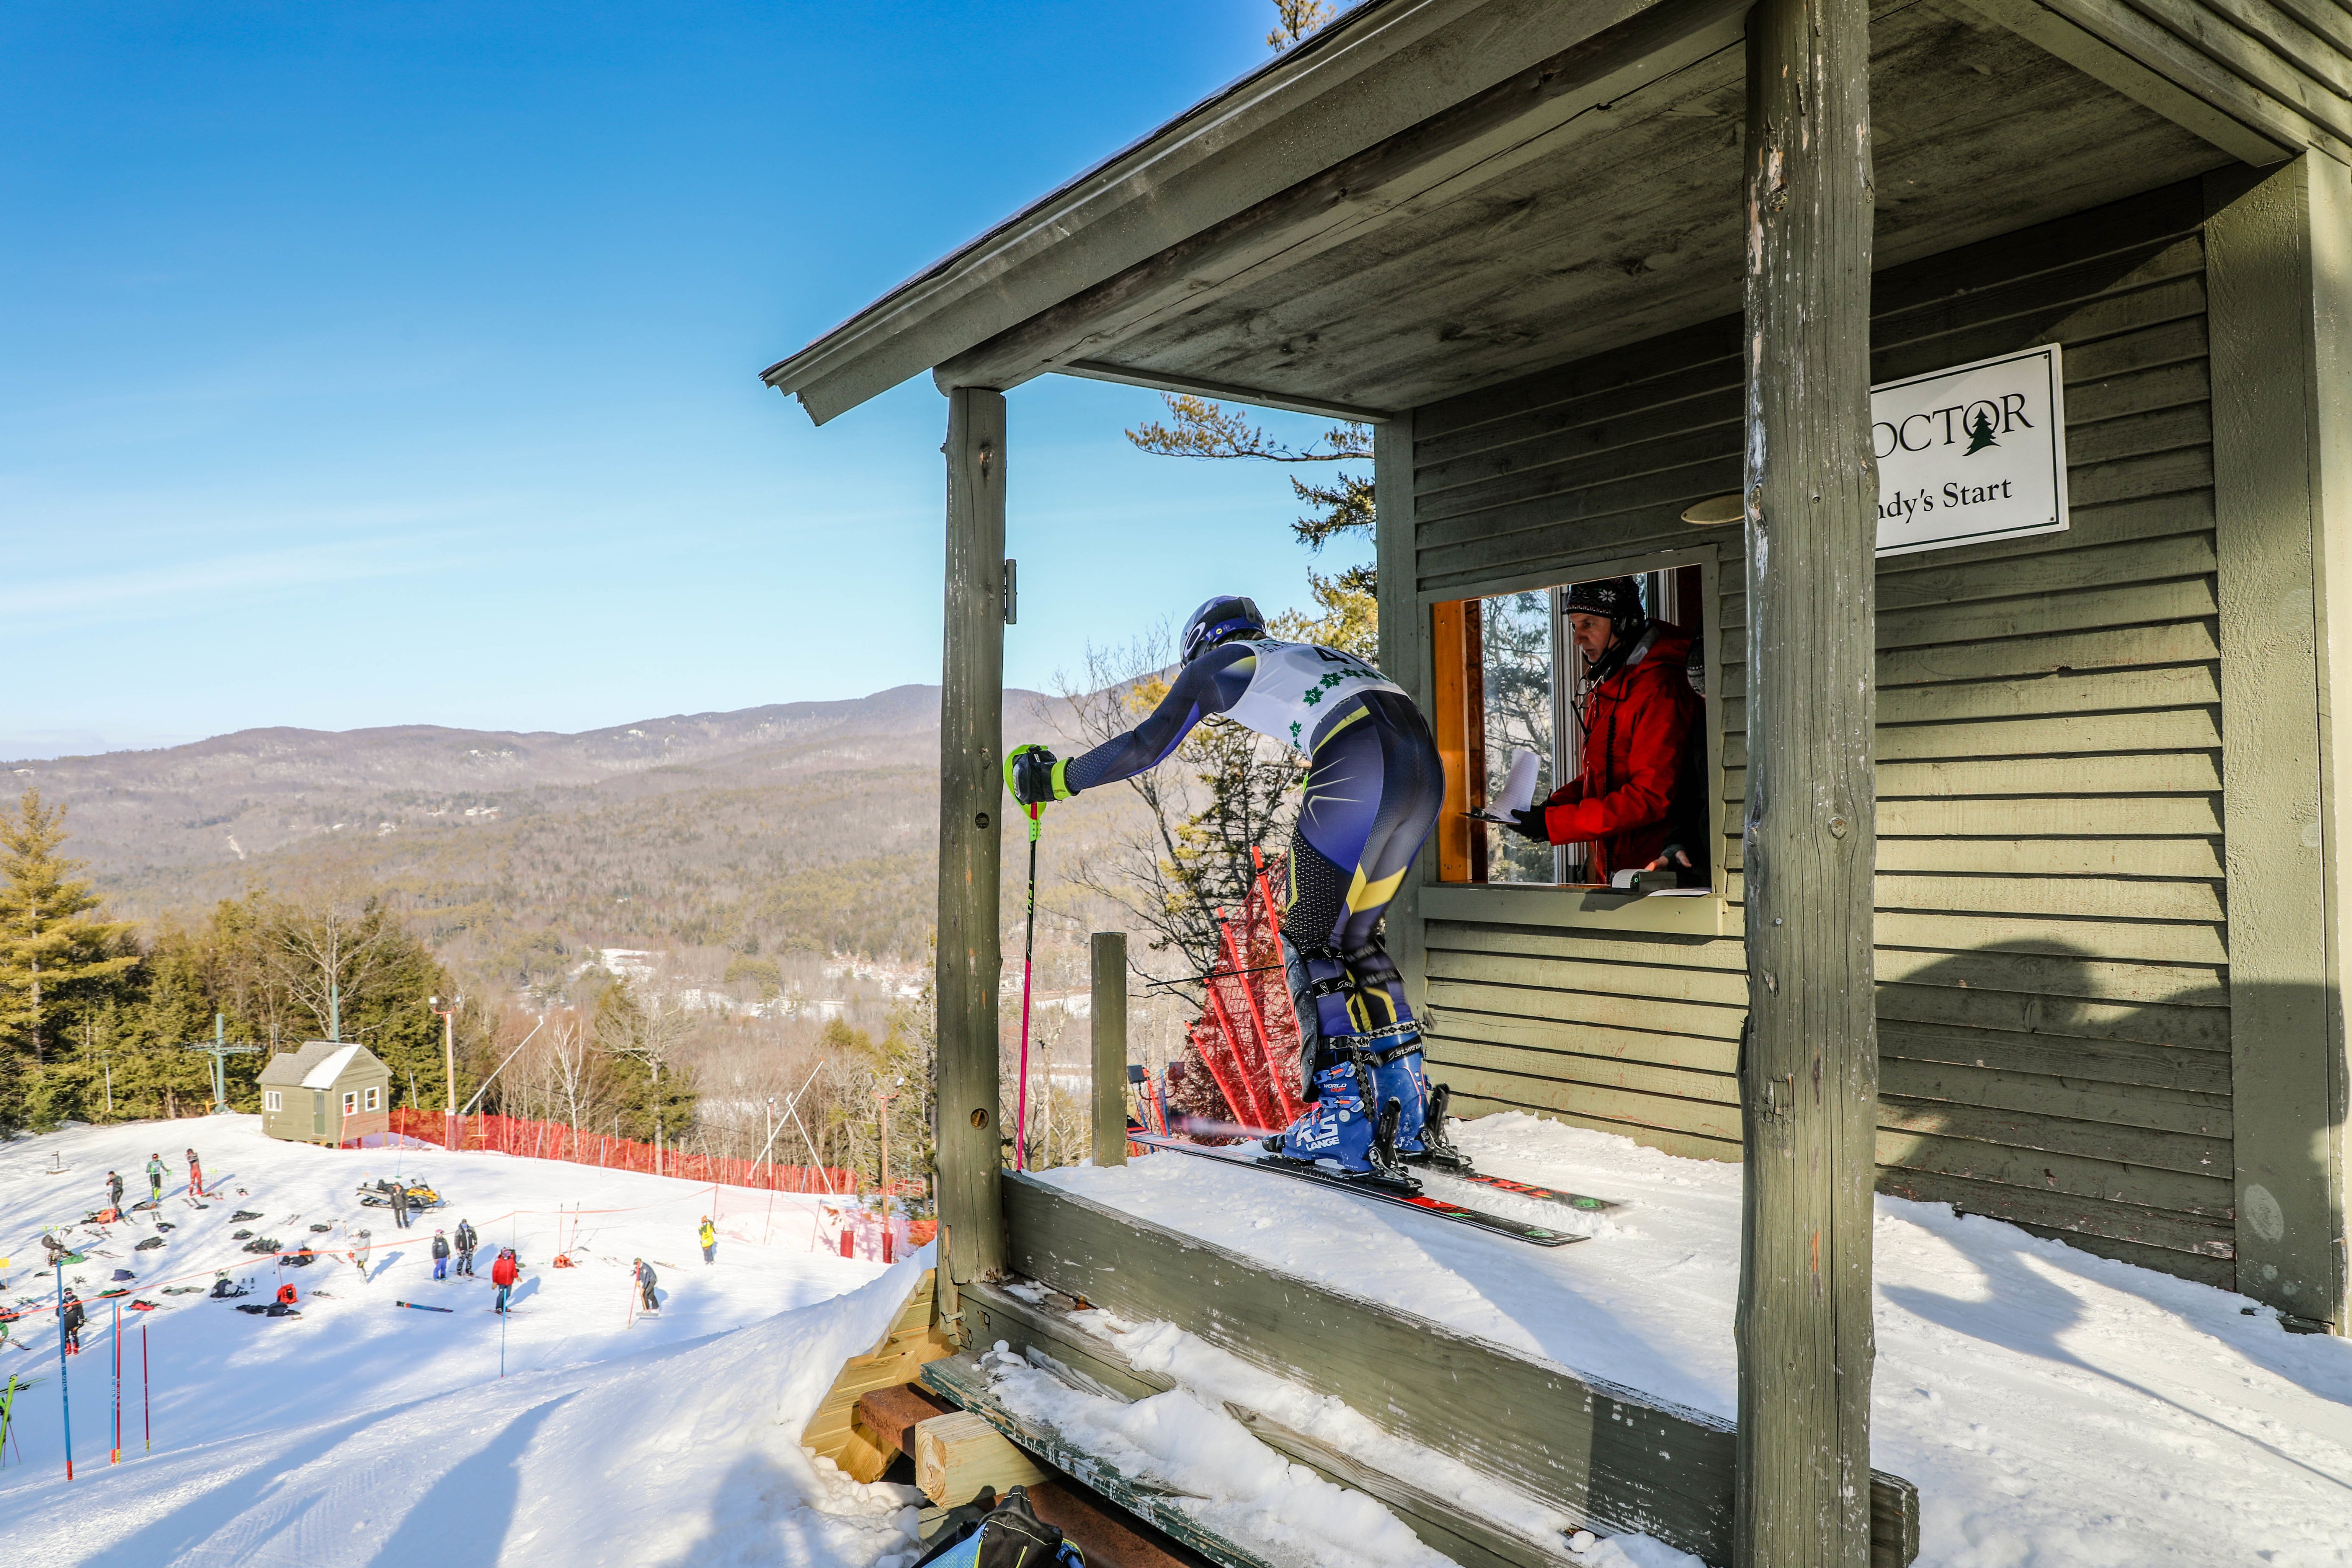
<point>1398,1075</point>
<point>1339,1135</point>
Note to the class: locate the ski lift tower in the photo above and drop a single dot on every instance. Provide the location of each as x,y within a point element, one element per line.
<point>219,1049</point>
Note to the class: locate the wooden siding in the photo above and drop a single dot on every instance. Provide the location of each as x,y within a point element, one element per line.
<point>2053,941</point>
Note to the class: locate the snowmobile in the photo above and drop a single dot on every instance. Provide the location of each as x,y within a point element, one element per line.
<point>379,1194</point>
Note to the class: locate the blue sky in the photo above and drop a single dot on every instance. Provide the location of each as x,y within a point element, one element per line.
<point>388,364</point>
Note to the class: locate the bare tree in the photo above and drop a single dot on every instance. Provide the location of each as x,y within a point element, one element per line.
<point>328,951</point>
<point>648,1032</point>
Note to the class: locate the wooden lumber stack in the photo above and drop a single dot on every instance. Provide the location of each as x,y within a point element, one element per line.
<point>895,1358</point>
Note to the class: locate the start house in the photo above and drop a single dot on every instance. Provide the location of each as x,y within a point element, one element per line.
<point>326,1092</point>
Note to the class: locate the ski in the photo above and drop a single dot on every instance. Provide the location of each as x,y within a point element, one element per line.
<point>1439,1208</point>
<point>1577,1201</point>
<point>420,1307</point>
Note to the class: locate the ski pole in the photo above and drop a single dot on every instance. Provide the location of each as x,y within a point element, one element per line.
<point>146,1411</point>
<point>116,1457</point>
<point>1028,962</point>
<point>65,1398</point>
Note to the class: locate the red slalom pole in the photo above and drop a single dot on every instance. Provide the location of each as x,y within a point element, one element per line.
<point>146,1411</point>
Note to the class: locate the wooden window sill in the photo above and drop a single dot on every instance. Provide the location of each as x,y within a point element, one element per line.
<point>1683,913</point>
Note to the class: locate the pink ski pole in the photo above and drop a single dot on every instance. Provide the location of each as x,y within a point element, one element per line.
<point>1028,964</point>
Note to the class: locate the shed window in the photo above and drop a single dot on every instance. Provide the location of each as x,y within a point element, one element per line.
<point>351,1102</point>
<point>1509,679</point>
<point>273,1099</point>
<point>373,1095</point>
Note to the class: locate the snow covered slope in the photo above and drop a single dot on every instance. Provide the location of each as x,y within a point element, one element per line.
<point>2055,1409</point>
<point>366,1433</point>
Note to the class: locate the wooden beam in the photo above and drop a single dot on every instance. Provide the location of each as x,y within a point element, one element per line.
<point>1809,1088</point>
<point>1107,1007</point>
<point>1595,1450</point>
<point>971,796</point>
<point>1221,391</point>
<point>958,1454</point>
<point>2097,58</point>
<point>1404,654</point>
<point>2280,286</point>
<point>1528,116</point>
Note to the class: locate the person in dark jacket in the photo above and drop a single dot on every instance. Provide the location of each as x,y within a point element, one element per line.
<point>646,1277</point>
<point>114,1191</point>
<point>503,1274</point>
<point>466,1242</point>
<point>1640,797</point>
<point>400,1201</point>
<point>440,1256</point>
<point>70,1317</point>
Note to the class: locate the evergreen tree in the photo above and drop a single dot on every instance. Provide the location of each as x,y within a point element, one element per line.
<point>55,961</point>
<point>654,1096</point>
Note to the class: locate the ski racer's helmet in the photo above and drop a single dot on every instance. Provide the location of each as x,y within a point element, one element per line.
<point>1225,616</point>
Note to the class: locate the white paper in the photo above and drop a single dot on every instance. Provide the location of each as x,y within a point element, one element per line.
<point>1518,784</point>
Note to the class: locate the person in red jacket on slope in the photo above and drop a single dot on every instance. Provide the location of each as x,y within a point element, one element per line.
<point>1640,797</point>
<point>502,1275</point>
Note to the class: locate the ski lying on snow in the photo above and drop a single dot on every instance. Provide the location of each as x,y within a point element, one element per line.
<point>1577,1201</point>
<point>1478,1219</point>
<point>420,1307</point>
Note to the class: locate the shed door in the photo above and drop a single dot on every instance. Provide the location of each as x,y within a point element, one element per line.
<point>319,1112</point>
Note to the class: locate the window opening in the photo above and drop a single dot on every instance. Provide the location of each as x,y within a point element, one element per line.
<point>274,1100</point>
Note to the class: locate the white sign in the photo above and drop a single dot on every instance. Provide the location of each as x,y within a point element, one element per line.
<point>1972,453</point>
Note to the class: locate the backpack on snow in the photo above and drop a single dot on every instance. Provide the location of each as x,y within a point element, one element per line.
<point>989,1532</point>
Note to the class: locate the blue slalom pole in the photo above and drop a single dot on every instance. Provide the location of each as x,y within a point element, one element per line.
<point>63,1396</point>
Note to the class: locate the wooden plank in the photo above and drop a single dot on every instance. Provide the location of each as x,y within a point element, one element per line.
<point>2045,1170</point>
<point>2183,772</point>
<point>2076,735</point>
<point>2176,642</point>
<point>896,1358</point>
<point>2216,37</point>
<point>2218,1272</point>
<point>2198,858</point>
<point>2064,1212</point>
<point>2089,898</point>
<point>2159,1029</point>
<point>972,798</point>
<point>2144,941</point>
<point>2282,504</point>
<point>1710,1118</point>
<point>1972,966</point>
<point>1531,998</point>
<point>1562,1066</point>
<point>2044,1094</point>
<point>1486,953</point>
<point>960,1454</point>
<point>2187,599</point>
<point>1638,948</point>
<point>2089,691</point>
<point>2287,38</point>
<point>2100,60</point>
<point>2193,1153</point>
<point>1686,1145</point>
<point>2190,68</point>
<point>892,1413</point>
<point>1586,1447</point>
<point>1108,1026</point>
<point>1407,655</point>
<point>2052,1054</point>
<point>2095,817</point>
<point>1660,1046</point>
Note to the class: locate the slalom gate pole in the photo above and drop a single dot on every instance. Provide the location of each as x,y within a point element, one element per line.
<point>1028,965</point>
<point>116,1457</point>
<point>146,1410</point>
<point>65,1399</point>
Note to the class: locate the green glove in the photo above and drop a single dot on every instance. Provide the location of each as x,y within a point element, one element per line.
<point>1035,777</point>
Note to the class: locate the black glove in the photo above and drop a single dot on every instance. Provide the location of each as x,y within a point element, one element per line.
<point>1529,823</point>
<point>1030,772</point>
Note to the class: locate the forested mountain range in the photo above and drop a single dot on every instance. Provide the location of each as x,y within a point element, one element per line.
<point>805,826</point>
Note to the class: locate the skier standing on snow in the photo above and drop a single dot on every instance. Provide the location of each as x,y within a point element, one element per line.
<point>70,1317</point>
<point>709,1237</point>
<point>440,1256</point>
<point>155,1178</point>
<point>360,1252</point>
<point>114,1191</point>
<point>195,1176</point>
<point>400,1205</point>
<point>644,1277</point>
<point>1373,788</point>
<point>466,1242</point>
<point>503,1274</point>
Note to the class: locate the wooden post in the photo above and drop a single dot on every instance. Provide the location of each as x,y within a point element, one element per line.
<point>971,808</point>
<point>1809,1079</point>
<point>1109,1018</point>
<point>2279,279</point>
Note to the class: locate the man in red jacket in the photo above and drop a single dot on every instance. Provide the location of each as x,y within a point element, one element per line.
<point>503,1274</point>
<point>1641,798</point>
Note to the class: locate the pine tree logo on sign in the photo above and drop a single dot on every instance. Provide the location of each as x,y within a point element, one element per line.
<point>1972,453</point>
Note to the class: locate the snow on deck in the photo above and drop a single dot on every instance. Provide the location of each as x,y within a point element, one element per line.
<point>367,1433</point>
<point>2055,1408</point>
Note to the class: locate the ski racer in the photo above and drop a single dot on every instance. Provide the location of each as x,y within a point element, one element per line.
<point>709,1237</point>
<point>195,1176</point>
<point>360,1252</point>
<point>70,1317</point>
<point>440,1256</point>
<point>644,1277</point>
<point>503,1274</point>
<point>1372,791</point>
<point>155,1178</point>
<point>466,1242</point>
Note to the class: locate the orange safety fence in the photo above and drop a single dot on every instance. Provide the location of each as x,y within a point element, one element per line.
<point>554,1141</point>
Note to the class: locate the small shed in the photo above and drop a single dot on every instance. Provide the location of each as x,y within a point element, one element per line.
<point>328,1092</point>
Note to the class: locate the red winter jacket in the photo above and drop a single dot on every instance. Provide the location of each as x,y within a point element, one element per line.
<point>1644,781</point>
<point>503,1271</point>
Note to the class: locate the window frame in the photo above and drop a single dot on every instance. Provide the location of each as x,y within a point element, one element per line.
<point>375,1097</point>
<point>1558,904</point>
<point>351,1102</point>
<point>273,1099</point>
